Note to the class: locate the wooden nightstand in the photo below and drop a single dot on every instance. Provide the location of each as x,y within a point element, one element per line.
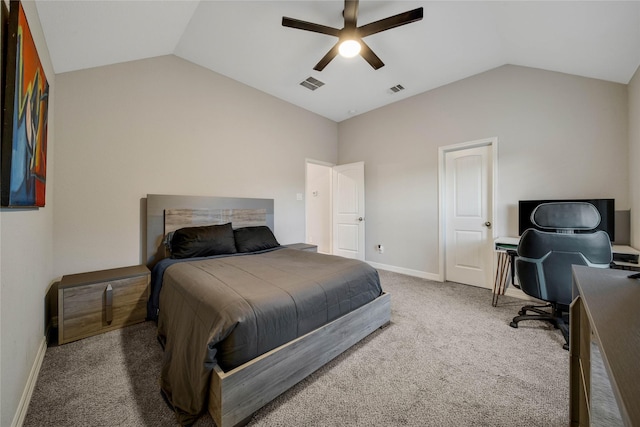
<point>101,301</point>
<point>302,247</point>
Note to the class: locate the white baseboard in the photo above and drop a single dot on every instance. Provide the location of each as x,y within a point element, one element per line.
<point>517,293</point>
<point>407,271</point>
<point>510,292</point>
<point>23,405</point>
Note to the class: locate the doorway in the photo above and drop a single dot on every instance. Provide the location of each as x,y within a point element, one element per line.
<point>467,211</point>
<point>318,205</point>
<point>334,209</point>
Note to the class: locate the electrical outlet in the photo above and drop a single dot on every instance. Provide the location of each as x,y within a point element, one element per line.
<point>380,248</point>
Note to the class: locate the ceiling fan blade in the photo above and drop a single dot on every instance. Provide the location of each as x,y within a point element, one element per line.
<point>309,26</point>
<point>327,58</point>
<point>350,14</point>
<point>369,56</point>
<point>391,22</point>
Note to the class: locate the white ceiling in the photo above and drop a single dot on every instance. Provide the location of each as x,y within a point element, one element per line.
<point>245,41</point>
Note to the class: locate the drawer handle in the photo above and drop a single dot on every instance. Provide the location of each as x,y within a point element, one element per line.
<point>108,296</point>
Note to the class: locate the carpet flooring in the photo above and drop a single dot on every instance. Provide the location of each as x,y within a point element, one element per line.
<point>448,359</point>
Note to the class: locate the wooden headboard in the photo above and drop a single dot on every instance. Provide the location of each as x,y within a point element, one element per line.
<point>166,213</point>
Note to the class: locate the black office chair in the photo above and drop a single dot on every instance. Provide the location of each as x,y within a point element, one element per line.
<point>544,260</point>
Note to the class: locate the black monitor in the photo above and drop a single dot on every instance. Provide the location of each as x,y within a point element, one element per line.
<point>606,208</point>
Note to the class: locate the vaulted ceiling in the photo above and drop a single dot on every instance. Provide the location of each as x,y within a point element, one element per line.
<point>244,40</point>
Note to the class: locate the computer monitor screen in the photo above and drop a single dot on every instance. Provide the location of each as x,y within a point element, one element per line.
<point>606,208</point>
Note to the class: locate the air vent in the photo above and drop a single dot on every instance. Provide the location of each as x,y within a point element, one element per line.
<point>396,88</point>
<point>311,83</point>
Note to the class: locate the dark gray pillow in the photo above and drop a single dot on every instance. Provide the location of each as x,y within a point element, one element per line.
<point>251,239</point>
<point>208,240</point>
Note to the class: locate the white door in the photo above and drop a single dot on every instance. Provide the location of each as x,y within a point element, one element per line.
<point>468,215</point>
<point>348,210</point>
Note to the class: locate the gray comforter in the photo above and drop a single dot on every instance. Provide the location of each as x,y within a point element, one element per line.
<point>230,310</point>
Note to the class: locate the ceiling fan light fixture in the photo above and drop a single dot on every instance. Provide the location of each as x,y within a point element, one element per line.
<point>349,48</point>
<point>351,35</point>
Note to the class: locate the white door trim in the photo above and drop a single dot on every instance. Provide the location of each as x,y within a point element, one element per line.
<point>319,162</point>
<point>306,200</point>
<point>442,151</point>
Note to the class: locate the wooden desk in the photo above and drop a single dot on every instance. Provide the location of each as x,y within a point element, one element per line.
<point>605,332</point>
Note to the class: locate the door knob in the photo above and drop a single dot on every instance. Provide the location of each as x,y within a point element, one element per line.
<point>488,224</point>
<point>360,219</point>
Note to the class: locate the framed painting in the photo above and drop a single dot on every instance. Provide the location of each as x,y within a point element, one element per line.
<point>23,152</point>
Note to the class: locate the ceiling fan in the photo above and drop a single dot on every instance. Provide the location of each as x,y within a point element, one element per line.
<point>351,35</point>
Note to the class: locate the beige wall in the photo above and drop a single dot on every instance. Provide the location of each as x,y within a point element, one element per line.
<point>559,136</point>
<point>634,157</point>
<point>167,126</point>
<point>26,245</point>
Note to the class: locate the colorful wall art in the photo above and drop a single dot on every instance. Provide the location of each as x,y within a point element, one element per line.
<point>23,155</point>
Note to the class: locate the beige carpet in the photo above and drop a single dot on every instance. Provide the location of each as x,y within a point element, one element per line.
<point>448,359</point>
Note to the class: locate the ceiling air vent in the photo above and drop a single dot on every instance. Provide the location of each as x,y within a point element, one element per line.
<point>311,83</point>
<point>396,88</point>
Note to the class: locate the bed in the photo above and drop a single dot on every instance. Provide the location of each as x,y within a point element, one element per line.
<point>241,328</point>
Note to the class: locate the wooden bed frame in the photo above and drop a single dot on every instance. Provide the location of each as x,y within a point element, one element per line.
<point>209,210</point>
<point>236,394</point>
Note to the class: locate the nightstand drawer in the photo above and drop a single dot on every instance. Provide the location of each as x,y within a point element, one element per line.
<point>92,303</point>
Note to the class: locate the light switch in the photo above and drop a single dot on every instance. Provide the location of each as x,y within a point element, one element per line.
<point>298,196</point>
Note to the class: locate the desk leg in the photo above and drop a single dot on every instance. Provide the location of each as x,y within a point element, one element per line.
<point>502,270</point>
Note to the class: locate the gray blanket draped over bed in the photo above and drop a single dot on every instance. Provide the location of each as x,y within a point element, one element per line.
<point>230,310</point>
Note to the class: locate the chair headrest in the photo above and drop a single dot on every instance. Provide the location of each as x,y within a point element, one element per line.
<point>566,216</point>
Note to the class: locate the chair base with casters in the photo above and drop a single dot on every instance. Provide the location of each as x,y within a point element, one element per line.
<point>557,317</point>
<point>564,235</point>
